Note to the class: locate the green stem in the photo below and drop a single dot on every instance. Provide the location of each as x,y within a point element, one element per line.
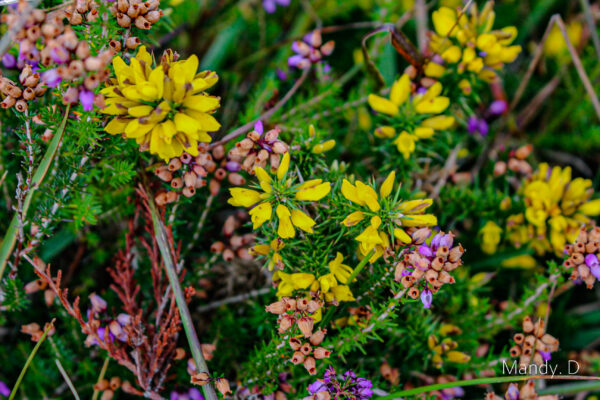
<point>160,234</point>
<point>67,379</point>
<point>571,388</point>
<point>481,381</point>
<point>29,360</point>
<point>10,238</point>
<point>360,266</point>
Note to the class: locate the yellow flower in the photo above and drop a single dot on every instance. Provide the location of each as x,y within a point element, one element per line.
<point>387,216</point>
<point>556,46</point>
<point>490,234</point>
<point>557,206</point>
<point>272,249</point>
<point>340,271</point>
<point>288,283</point>
<point>445,351</point>
<point>165,109</point>
<point>470,44</point>
<point>279,192</point>
<point>414,116</point>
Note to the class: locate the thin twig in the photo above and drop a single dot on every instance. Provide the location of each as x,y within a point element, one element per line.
<point>589,19</point>
<point>449,167</point>
<point>421,17</point>
<point>101,377</point>
<point>234,299</point>
<point>557,19</point>
<point>67,379</point>
<point>246,127</point>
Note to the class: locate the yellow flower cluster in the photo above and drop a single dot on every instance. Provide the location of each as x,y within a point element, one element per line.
<point>383,215</point>
<point>280,193</point>
<point>467,43</point>
<point>165,109</point>
<point>332,286</point>
<point>445,350</point>
<point>272,251</point>
<point>490,237</point>
<point>557,206</point>
<point>556,46</point>
<point>411,118</point>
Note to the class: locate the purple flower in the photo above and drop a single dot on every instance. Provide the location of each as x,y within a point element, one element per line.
<point>86,98</point>
<point>425,250</point>
<point>4,390</point>
<point>595,270</point>
<point>9,61</point>
<point>258,127</point>
<point>59,55</point>
<point>317,386</point>
<point>192,394</point>
<point>281,75</point>
<point>51,78</point>
<point>546,356</point>
<point>271,5</point>
<point>124,319</point>
<point>426,298</point>
<point>98,303</point>
<point>233,166</point>
<point>475,124</point>
<point>513,392</point>
<point>310,50</point>
<point>498,107</point>
<point>591,260</point>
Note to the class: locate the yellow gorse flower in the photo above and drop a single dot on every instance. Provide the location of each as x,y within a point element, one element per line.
<point>556,46</point>
<point>411,117</point>
<point>490,237</point>
<point>272,251</point>
<point>383,215</point>
<point>279,200</point>
<point>557,206</point>
<point>445,351</point>
<point>331,286</point>
<point>165,108</point>
<point>469,44</point>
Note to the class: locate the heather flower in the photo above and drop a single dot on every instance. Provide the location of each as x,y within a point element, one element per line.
<point>271,5</point>
<point>282,195</point>
<point>190,394</point>
<point>468,44</point>
<point>426,268</point>
<point>583,261</point>
<point>382,216</point>
<point>165,109</point>
<point>4,390</point>
<point>409,118</point>
<point>557,206</point>
<point>257,149</point>
<point>533,345</point>
<point>526,392</point>
<point>9,61</point>
<point>348,386</point>
<point>310,50</point>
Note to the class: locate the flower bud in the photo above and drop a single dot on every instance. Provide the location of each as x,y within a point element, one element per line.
<point>317,337</point>
<point>223,386</point>
<point>321,353</point>
<point>309,364</point>
<point>305,324</point>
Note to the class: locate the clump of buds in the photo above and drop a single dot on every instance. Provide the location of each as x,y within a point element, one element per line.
<point>187,173</point>
<point>533,345</point>
<point>36,332</point>
<point>256,149</point>
<point>136,13</point>
<point>526,392</point>
<point>18,96</point>
<point>516,162</point>
<point>392,375</point>
<point>109,387</point>
<point>424,268</point>
<point>583,257</point>
<point>310,50</point>
<point>234,245</point>
<point>203,378</point>
<point>359,315</point>
<point>297,316</point>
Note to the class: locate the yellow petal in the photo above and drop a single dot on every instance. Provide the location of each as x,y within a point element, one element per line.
<point>314,193</point>
<point>385,132</point>
<point>302,221</point>
<point>350,193</point>
<point>387,185</point>
<point>353,218</point>
<point>382,105</point>
<point>400,90</point>
<point>285,229</point>
<point>283,166</point>
<point>260,214</point>
<point>241,197</point>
